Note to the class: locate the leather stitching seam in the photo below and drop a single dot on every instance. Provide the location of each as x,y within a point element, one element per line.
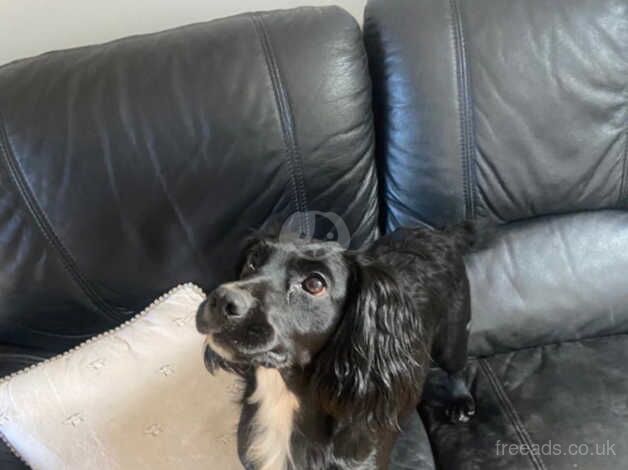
<point>623,190</point>
<point>511,413</point>
<point>45,228</point>
<point>465,112</point>
<point>282,101</point>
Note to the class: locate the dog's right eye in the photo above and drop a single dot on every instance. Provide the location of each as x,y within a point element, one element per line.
<point>249,267</point>
<point>314,284</point>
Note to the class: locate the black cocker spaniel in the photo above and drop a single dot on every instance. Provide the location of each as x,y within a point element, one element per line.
<point>335,345</point>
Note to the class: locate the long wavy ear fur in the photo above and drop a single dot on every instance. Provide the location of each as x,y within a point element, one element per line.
<point>374,366</point>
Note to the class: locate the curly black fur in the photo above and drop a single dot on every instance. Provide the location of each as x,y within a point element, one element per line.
<point>372,367</point>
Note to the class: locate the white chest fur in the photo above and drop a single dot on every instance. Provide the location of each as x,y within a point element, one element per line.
<point>272,424</point>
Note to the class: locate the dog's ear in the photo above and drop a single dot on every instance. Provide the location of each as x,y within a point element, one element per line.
<point>374,365</point>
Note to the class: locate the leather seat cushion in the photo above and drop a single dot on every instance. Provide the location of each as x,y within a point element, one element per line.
<point>560,396</point>
<point>548,280</point>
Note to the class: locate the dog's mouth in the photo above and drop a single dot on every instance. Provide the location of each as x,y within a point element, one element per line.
<point>230,355</point>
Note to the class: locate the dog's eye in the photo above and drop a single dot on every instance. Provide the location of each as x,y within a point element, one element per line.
<point>248,268</point>
<point>314,284</point>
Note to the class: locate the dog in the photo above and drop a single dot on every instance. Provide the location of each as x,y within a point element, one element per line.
<point>334,346</point>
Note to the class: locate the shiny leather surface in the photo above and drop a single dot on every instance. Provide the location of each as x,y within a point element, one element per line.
<point>550,279</point>
<point>499,109</point>
<point>129,167</point>
<point>562,394</point>
<point>14,358</point>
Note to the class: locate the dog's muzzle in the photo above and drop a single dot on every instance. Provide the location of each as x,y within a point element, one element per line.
<point>224,305</point>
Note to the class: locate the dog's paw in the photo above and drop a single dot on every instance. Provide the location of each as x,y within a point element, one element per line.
<point>460,409</point>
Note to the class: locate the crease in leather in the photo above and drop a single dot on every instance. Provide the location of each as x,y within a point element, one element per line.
<point>465,111</point>
<point>623,188</point>
<point>511,413</point>
<point>176,210</point>
<point>19,180</point>
<point>582,340</point>
<point>345,179</point>
<point>295,163</point>
<point>486,203</point>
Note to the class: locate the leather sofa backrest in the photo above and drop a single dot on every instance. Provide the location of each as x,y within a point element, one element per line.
<point>499,109</point>
<point>129,167</point>
<point>515,112</point>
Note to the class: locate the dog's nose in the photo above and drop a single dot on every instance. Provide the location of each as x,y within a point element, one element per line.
<point>230,302</point>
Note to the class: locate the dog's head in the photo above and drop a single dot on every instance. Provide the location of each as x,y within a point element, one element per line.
<point>335,315</point>
<point>283,308</point>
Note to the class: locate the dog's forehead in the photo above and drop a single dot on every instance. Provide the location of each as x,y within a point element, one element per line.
<point>305,249</point>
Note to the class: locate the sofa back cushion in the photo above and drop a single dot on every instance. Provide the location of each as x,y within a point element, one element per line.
<point>499,109</point>
<point>129,167</point>
<point>514,112</point>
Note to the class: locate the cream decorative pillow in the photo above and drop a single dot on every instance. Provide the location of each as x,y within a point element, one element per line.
<point>137,397</point>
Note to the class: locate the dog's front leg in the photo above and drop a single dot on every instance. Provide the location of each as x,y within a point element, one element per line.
<point>451,355</point>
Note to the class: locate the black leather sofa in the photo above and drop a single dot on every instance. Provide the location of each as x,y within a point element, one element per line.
<point>129,167</point>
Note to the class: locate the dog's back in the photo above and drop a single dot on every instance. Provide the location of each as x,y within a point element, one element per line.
<point>429,265</point>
